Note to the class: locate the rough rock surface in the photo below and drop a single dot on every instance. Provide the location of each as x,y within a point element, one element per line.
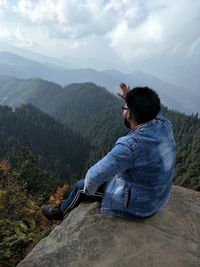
<point>87,238</point>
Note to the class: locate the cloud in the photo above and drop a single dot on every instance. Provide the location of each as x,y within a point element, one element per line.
<point>170,28</point>
<point>195,47</point>
<point>139,41</point>
<point>74,18</point>
<point>4,33</point>
<point>133,29</point>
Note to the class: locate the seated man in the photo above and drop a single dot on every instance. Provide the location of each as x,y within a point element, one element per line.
<point>135,178</point>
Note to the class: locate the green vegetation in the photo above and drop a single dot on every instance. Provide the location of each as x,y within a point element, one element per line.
<point>187,135</point>
<point>57,148</point>
<point>20,201</point>
<point>24,226</point>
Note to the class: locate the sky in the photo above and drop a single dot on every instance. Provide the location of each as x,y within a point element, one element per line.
<point>161,37</point>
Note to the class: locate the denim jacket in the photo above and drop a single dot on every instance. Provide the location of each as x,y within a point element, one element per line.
<point>138,171</point>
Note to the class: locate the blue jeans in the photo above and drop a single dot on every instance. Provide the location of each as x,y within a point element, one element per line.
<point>77,196</point>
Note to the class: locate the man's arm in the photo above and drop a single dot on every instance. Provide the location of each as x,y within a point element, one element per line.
<point>119,159</point>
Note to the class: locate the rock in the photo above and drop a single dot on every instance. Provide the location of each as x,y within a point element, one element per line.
<point>88,238</point>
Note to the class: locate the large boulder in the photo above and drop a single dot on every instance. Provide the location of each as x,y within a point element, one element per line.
<point>88,238</point>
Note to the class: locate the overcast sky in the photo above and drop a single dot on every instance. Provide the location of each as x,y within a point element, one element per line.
<point>150,35</point>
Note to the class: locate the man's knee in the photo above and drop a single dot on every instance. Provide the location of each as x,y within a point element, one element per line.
<point>79,184</point>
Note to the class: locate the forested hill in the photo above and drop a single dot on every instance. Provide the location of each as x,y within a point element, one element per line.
<point>57,148</point>
<point>15,92</point>
<point>187,135</point>
<point>86,108</point>
<point>95,113</point>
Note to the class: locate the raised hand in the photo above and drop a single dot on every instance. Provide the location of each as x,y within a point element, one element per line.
<point>124,89</point>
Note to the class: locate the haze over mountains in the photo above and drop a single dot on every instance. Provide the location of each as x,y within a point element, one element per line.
<point>174,97</point>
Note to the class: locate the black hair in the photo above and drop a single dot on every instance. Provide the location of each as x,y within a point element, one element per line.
<point>144,103</point>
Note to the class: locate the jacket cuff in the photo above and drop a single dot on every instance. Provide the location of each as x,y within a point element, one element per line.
<point>90,188</point>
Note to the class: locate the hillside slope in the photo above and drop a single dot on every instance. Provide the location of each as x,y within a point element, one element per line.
<point>58,148</point>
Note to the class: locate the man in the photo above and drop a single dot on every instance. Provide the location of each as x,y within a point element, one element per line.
<point>135,178</point>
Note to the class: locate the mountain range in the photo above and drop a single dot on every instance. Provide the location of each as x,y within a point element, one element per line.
<point>176,98</point>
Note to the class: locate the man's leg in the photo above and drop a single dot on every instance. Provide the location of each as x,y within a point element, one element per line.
<point>76,196</point>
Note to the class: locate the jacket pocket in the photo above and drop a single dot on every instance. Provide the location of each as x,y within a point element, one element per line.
<point>130,200</point>
<point>127,196</point>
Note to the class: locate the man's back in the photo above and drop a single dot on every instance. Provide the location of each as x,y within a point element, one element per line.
<point>144,187</point>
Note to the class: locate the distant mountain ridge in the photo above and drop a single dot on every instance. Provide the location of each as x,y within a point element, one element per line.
<point>23,68</point>
<point>15,92</point>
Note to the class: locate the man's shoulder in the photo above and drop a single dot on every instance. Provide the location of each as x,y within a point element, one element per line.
<point>131,140</point>
<point>163,119</point>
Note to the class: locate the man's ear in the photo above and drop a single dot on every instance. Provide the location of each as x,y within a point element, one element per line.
<point>129,115</point>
